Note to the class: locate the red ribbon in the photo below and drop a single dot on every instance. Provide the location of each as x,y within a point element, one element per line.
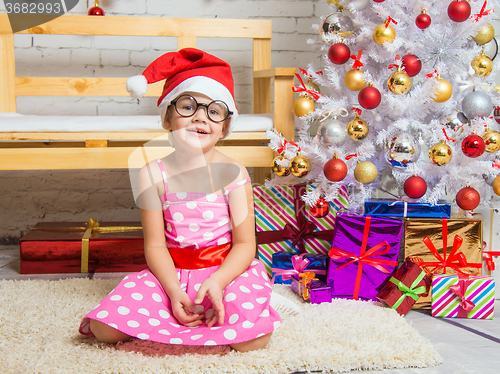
<point>283,146</point>
<point>299,264</point>
<point>348,157</point>
<point>389,20</point>
<point>431,74</point>
<point>496,164</point>
<point>364,257</point>
<point>357,110</point>
<point>304,72</point>
<point>459,289</point>
<point>396,65</point>
<point>314,94</point>
<point>488,258</point>
<point>478,16</point>
<point>447,137</point>
<point>357,63</point>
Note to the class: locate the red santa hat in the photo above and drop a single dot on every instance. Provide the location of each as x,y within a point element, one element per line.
<point>188,70</point>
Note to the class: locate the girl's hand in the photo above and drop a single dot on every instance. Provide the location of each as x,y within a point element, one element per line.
<point>183,309</point>
<point>211,288</point>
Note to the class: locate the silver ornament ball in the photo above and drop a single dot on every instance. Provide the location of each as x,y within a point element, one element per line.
<point>331,132</point>
<point>336,23</point>
<point>401,150</point>
<point>477,104</point>
<point>455,123</point>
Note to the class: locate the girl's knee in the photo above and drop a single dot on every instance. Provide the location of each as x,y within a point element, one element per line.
<point>107,334</point>
<point>252,345</point>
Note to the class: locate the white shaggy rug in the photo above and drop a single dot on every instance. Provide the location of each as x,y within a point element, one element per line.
<point>39,333</point>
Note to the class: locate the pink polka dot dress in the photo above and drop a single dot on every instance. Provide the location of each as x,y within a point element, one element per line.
<point>139,307</point>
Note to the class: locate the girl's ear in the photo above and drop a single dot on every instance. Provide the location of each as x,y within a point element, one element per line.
<point>225,127</point>
<point>167,125</point>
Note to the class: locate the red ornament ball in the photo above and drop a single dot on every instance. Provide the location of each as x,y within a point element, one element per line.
<point>369,97</point>
<point>459,11</point>
<point>415,187</point>
<point>473,146</point>
<point>379,1</point>
<point>412,64</point>
<point>320,209</point>
<point>496,114</point>
<point>335,170</point>
<point>96,11</point>
<point>468,198</point>
<point>423,21</point>
<point>339,53</point>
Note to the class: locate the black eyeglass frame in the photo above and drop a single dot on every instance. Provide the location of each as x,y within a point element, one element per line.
<point>198,105</point>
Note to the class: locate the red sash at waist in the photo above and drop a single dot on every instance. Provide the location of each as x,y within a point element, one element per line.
<point>199,258</point>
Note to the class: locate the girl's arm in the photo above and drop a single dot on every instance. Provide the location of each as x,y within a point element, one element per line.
<point>242,252</point>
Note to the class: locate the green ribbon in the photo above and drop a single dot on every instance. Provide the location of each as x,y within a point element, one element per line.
<point>413,291</point>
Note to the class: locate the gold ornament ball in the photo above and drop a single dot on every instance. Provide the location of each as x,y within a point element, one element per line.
<point>365,172</point>
<point>357,129</point>
<point>382,34</point>
<point>354,80</point>
<point>440,153</point>
<point>278,170</point>
<point>496,185</point>
<point>482,65</point>
<point>399,82</point>
<point>310,85</point>
<point>443,91</point>
<point>303,106</point>
<point>491,141</point>
<point>485,34</point>
<point>300,166</point>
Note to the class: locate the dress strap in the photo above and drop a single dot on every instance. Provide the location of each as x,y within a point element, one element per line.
<point>163,175</point>
<point>236,185</point>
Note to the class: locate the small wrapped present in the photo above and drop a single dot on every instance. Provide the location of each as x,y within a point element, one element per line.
<point>405,287</point>
<point>286,265</point>
<point>459,296</point>
<point>284,223</point>
<point>311,289</point>
<point>74,247</point>
<point>444,246</point>
<point>364,254</point>
<point>394,208</point>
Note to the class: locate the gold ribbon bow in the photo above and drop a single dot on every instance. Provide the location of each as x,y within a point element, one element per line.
<point>307,278</point>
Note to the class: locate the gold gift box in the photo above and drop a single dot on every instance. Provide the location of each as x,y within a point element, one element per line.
<point>470,229</point>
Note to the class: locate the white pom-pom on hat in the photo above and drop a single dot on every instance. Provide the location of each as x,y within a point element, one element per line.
<point>137,86</point>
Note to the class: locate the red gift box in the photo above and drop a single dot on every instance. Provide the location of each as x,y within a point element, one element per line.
<point>78,247</point>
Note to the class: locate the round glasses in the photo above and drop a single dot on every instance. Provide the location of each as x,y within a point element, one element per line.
<point>186,106</point>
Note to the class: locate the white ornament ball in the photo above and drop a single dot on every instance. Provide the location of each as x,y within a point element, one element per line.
<point>331,132</point>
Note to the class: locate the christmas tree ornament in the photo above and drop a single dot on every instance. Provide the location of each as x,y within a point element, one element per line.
<point>473,146</point>
<point>335,169</point>
<point>360,4</point>
<point>401,150</point>
<point>477,104</point>
<point>485,34</point>
<point>384,33</point>
<point>423,20</point>
<point>491,141</point>
<point>415,187</point>
<point>320,208</point>
<point>379,1</point>
<point>459,10</point>
<point>365,172</point>
<point>482,65</point>
<point>300,166</point>
<point>496,114</point>
<point>339,53</point>
<point>440,153</point>
<point>278,170</point>
<point>354,80</point>
<point>442,91</point>
<point>96,10</point>
<point>455,121</point>
<point>496,185</point>
<point>468,198</point>
<point>331,132</point>
<point>491,49</point>
<point>303,106</point>
<point>311,87</point>
<point>411,64</point>
<point>399,82</point>
<point>357,129</point>
<point>369,97</point>
<point>336,23</point>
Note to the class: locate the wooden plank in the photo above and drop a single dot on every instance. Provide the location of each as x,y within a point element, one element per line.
<point>186,42</point>
<point>7,74</point>
<point>262,86</point>
<point>111,157</point>
<point>284,120</point>
<point>274,72</point>
<point>148,26</point>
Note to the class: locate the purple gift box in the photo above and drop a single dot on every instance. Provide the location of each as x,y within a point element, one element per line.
<point>364,254</point>
<point>315,292</point>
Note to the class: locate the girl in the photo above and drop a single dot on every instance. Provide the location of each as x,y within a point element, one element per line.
<point>203,285</point>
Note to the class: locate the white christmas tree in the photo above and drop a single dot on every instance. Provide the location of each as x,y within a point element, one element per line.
<point>407,90</point>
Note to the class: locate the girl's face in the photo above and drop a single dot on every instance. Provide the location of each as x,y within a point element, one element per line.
<point>197,131</point>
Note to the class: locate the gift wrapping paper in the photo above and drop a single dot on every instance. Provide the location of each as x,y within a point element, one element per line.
<point>364,253</point>
<point>286,265</point>
<point>455,296</point>
<point>408,283</point>
<point>284,224</point>
<point>394,208</point>
<point>312,291</point>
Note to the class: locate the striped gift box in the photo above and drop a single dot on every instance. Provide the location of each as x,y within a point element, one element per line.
<point>456,296</point>
<point>275,208</point>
